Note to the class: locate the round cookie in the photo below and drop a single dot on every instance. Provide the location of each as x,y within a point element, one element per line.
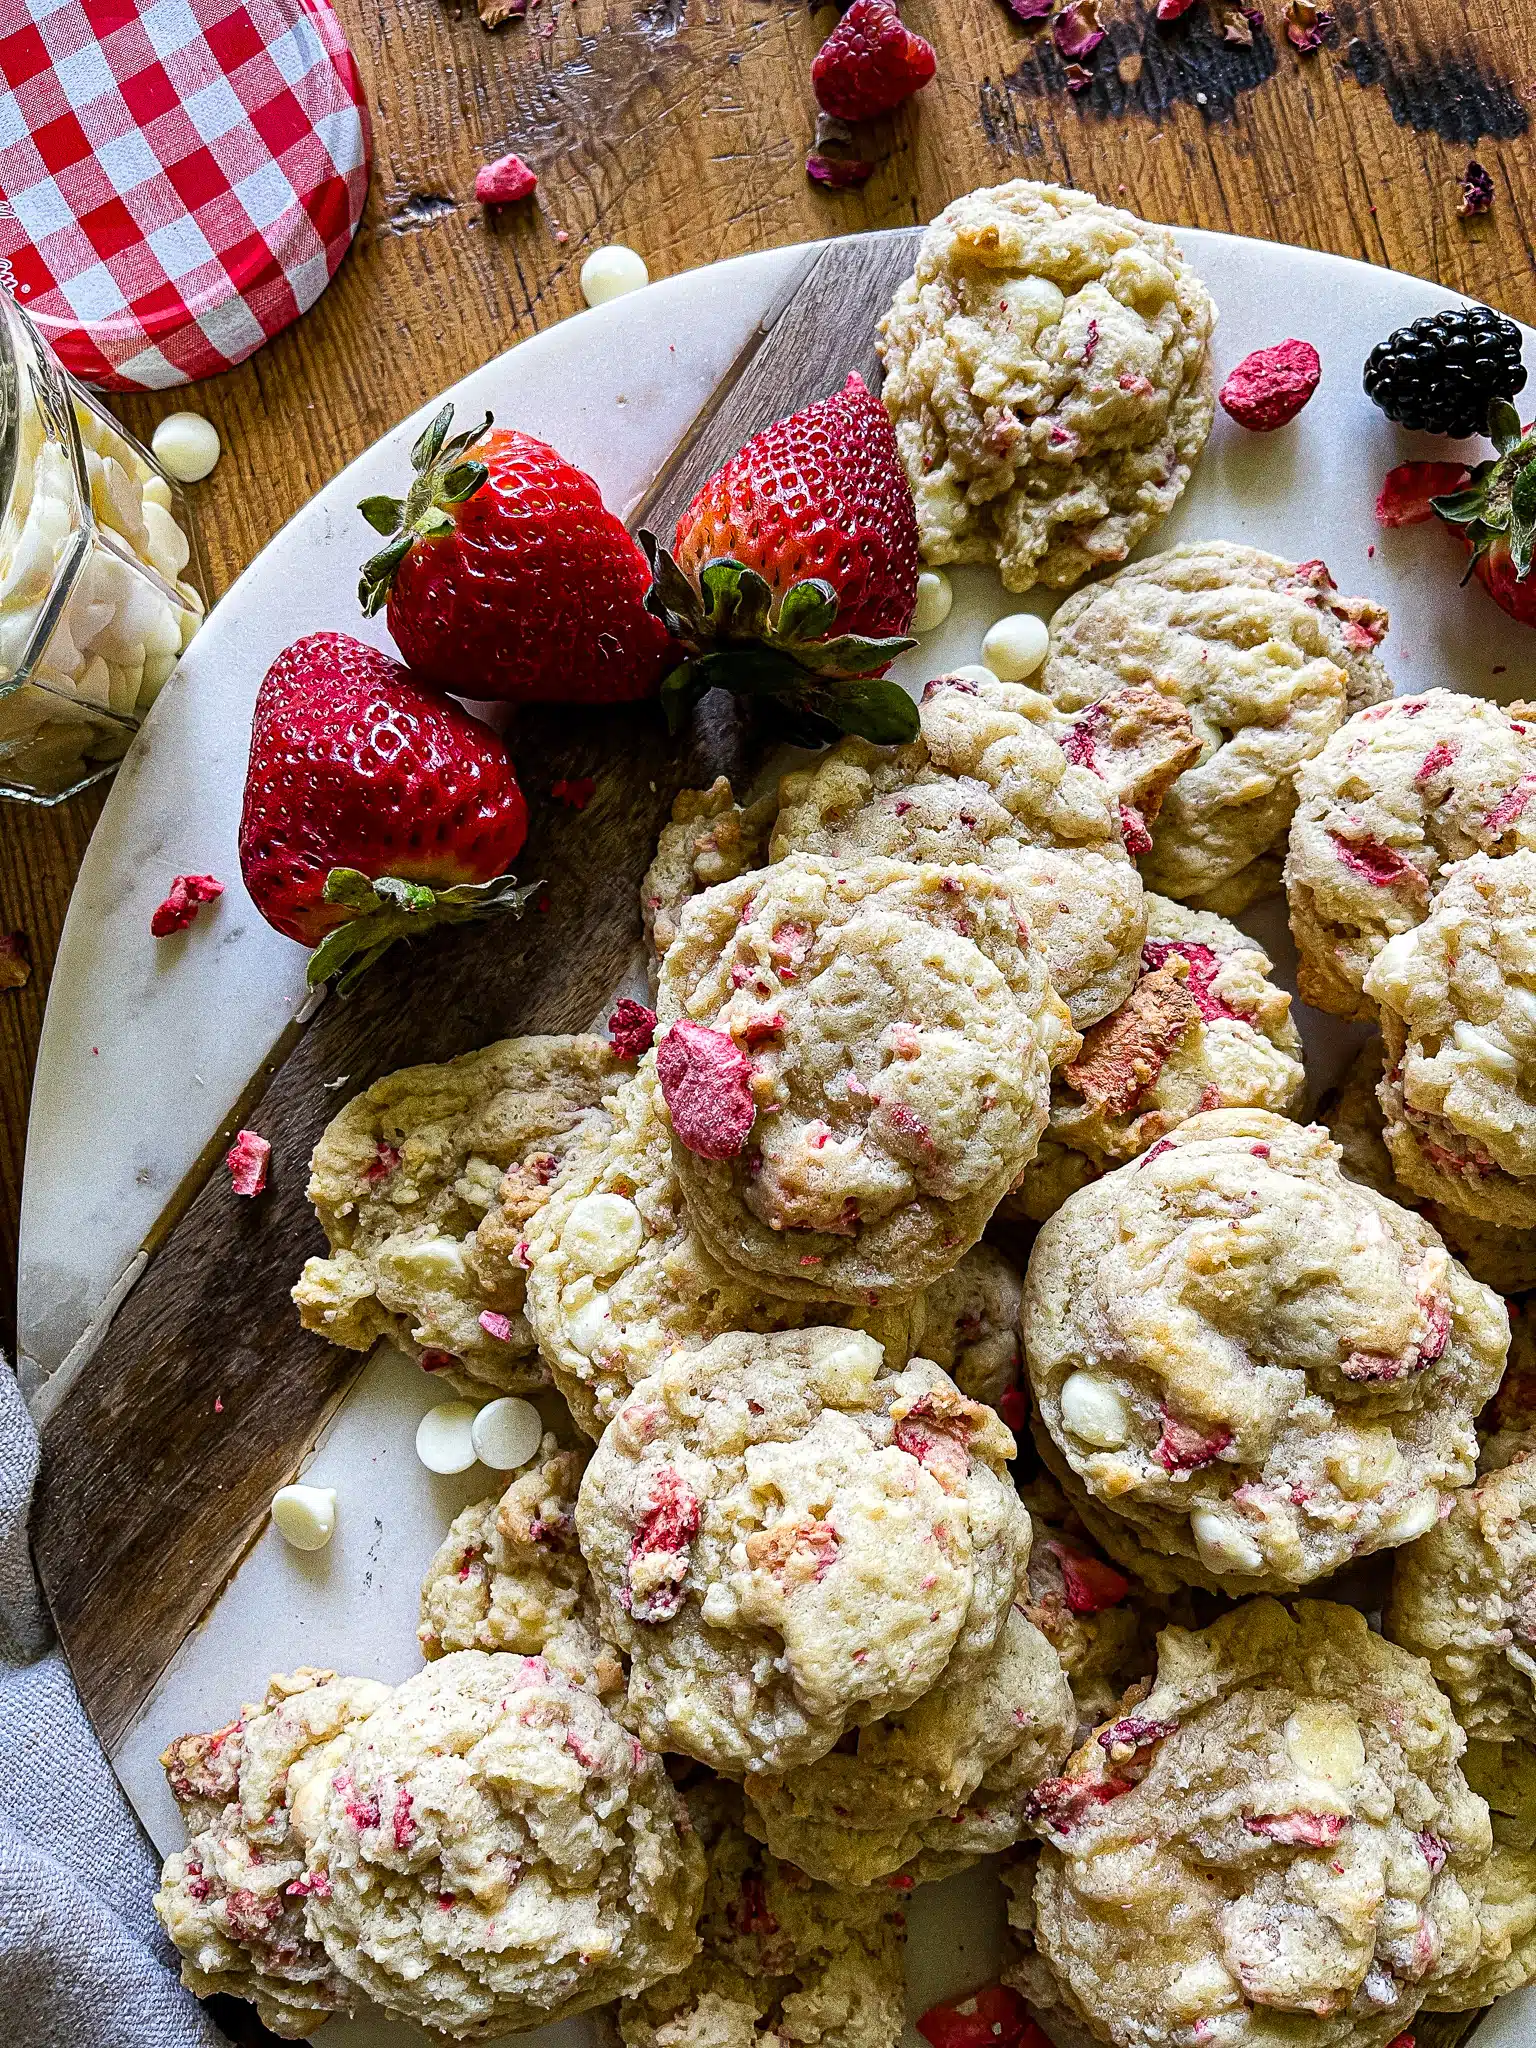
<point>1276,1845</point>
<point>1267,658</point>
<point>971,1329</point>
<point>508,1576</point>
<point>1507,1426</point>
<point>1205,1028</point>
<point>1464,1597</point>
<point>709,838</point>
<point>788,1538</point>
<point>1254,1368</point>
<point>1457,996</point>
<point>422,1183</point>
<point>1503,1895</point>
<point>232,1901</point>
<point>494,1851</point>
<point>1397,796</point>
<point>887,1030</point>
<point>1352,1115</point>
<point>620,1280</point>
<point>1046,368</point>
<point>785,1961</point>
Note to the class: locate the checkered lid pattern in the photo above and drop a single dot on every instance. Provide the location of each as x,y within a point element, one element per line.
<point>178,178</point>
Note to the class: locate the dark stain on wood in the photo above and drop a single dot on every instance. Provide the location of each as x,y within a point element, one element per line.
<point>1449,91</point>
<point>1140,68</point>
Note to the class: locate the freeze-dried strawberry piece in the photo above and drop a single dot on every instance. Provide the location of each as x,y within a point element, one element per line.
<point>1133,830</point>
<point>1434,1849</point>
<point>1123,1055</point>
<point>994,2017</point>
<point>1088,1584</point>
<point>1269,387</point>
<point>1204,966</point>
<point>1298,1830</point>
<point>496,1325</point>
<point>1510,806</point>
<point>1061,1803</point>
<point>1406,491</point>
<point>1440,757</point>
<point>574,791</point>
<point>795,1553</point>
<point>659,1551</point>
<point>937,1430</point>
<point>183,900</point>
<point>1307,25</point>
<point>1382,865</point>
<point>1014,1409</point>
<point>433,1359</point>
<point>1123,1738</point>
<point>404,1819</point>
<point>247,1161</point>
<point>249,1916</point>
<point>631,1028</point>
<point>314,1884</point>
<point>706,1084</point>
<point>1173,10</point>
<point>1139,740</point>
<point>1183,1448</point>
<point>749,1913</point>
<point>505,181</point>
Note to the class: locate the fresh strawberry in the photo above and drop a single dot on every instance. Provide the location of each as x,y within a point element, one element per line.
<point>810,526</point>
<point>506,576</point>
<point>374,808</point>
<point>1495,514</point>
<point>870,63</point>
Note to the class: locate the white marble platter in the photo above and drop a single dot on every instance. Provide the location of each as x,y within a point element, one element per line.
<point>146,1046</point>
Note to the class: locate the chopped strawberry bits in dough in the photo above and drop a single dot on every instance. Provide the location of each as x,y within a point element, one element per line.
<point>1396,798</point>
<point>184,899</point>
<point>1251,1871</point>
<point>247,1160</point>
<point>498,1852</point>
<point>1249,1369</point>
<point>773,1562</point>
<point>706,1085</point>
<point>902,1089</point>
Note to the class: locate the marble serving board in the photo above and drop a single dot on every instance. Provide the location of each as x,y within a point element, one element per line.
<point>146,1047</point>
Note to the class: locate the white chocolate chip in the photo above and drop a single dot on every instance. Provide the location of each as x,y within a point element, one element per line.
<point>972,672</point>
<point>1324,1741</point>
<point>445,1437</point>
<point>935,595</point>
<point>1222,1545</point>
<point>587,1323</point>
<point>506,1433</point>
<point>1364,1463</point>
<point>610,272</point>
<point>844,1374</point>
<point>1093,1412</point>
<point>1033,298</point>
<point>1492,1056</point>
<point>305,1516</point>
<point>1419,1516</point>
<point>1200,1988</point>
<point>424,1262</point>
<point>186,446</point>
<point>602,1233</point>
<point>1015,647</point>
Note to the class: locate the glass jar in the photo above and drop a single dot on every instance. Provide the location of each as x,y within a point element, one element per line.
<point>101,587</point>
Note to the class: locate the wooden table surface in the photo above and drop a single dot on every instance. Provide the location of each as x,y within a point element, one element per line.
<point>681,127</point>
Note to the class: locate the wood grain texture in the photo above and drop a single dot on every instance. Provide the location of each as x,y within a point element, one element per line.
<point>681,126</point>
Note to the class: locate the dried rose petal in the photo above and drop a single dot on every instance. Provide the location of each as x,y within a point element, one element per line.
<point>1030,10</point>
<point>838,173</point>
<point>1382,865</point>
<point>247,1162</point>
<point>1298,1830</point>
<point>667,1525</point>
<point>1078,80</point>
<point>1077,31</point>
<point>631,1028</point>
<point>1237,26</point>
<point>505,181</point>
<point>15,960</point>
<point>1306,25</point>
<point>183,900</point>
<point>1269,387</point>
<point>1173,10</point>
<point>1476,194</point>
<point>1407,490</point>
<point>1088,1583</point>
<point>706,1084</point>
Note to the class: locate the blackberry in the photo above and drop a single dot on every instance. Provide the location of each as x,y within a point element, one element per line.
<point>1440,374</point>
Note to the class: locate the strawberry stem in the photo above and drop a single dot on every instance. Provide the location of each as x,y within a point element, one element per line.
<point>388,908</point>
<point>445,475</point>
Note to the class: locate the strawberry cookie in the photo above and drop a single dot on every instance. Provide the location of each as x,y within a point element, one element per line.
<point>403,1181</point>
<point>1204,1028</point>
<point>1249,1369</point>
<point>709,838</point>
<point>1457,998</point>
<point>996,781</point>
<point>971,1328</point>
<point>233,1900</point>
<point>1396,797</point>
<point>493,1851</point>
<point>784,1960</point>
<point>620,1278</point>
<point>854,1060</point>
<point>1047,371</point>
<point>1269,660</point>
<point>789,1537</point>
<point>1353,1117</point>
<point>508,1576</point>
<point>1275,1844</point>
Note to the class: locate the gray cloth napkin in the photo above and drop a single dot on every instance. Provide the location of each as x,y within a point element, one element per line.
<point>83,1963</point>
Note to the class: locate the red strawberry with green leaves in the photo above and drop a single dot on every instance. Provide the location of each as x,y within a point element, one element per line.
<point>870,63</point>
<point>374,808</point>
<point>507,577</point>
<point>1495,513</point>
<point>793,574</point>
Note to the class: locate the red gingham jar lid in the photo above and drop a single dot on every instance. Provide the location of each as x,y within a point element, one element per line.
<point>178,178</point>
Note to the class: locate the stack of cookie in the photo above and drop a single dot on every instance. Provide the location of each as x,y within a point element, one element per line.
<point>901,1557</point>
